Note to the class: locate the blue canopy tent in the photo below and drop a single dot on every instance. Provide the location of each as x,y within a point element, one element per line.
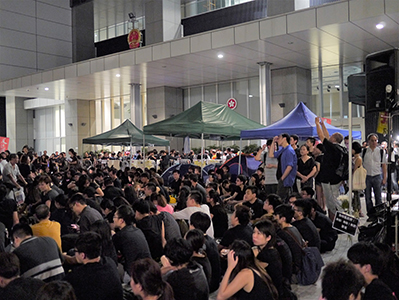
<point>300,121</point>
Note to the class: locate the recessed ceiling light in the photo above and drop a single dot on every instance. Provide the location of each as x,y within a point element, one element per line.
<point>220,55</point>
<point>337,86</point>
<point>250,96</point>
<point>380,25</point>
<point>46,88</point>
<point>118,75</point>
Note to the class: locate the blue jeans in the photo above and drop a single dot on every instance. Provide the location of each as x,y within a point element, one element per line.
<point>373,182</point>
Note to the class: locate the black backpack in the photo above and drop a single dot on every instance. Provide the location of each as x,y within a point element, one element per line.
<point>342,169</point>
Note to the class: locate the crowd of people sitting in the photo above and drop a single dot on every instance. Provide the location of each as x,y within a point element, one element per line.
<point>90,233</point>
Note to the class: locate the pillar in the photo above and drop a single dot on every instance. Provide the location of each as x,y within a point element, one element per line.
<point>136,105</point>
<point>19,124</point>
<point>162,20</point>
<point>265,96</point>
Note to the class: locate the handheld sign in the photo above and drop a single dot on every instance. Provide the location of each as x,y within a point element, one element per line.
<point>345,223</point>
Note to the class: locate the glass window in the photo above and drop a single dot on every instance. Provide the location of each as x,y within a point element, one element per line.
<point>126,107</point>
<point>62,114</point>
<point>111,31</point>
<point>224,91</point>
<point>210,93</point>
<point>240,93</point>
<point>117,112</point>
<point>195,95</point>
<point>120,29</point>
<point>103,34</point>
<point>253,99</point>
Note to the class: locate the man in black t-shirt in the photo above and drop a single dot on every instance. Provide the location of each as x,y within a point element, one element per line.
<point>251,200</point>
<point>330,181</point>
<point>367,258</point>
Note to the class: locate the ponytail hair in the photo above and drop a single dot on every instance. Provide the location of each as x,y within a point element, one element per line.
<point>147,273</point>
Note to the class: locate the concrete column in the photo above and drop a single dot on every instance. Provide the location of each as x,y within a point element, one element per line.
<point>80,123</point>
<point>162,20</point>
<point>163,103</point>
<point>83,31</point>
<point>19,124</point>
<point>289,87</point>
<point>341,93</point>
<point>321,93</point>
<point>136,106</point>
<point>265,95</point>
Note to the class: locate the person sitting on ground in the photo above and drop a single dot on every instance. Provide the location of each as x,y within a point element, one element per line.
<point>253,202</point>
<point>40,257</point>
<point>264,239</point>
<point>87,215</point>
<point>61,214</point>
<point>240,229</point>
<point>105,284</point>
<point>201,221</point>
<point>238,191</point>
<point>328,235</point>
<point>12,286</point>
<point>271,202</point>
<point>186,278</point>
<point>47,193</point>
<point>196,239</point>
<point>307,192</point>
<point>153,228</point>
<point>147,283</point>
<point>172,229</point>
<point>110,191</point>
<point>284,214</point>
<point>130,242</point>
<point>45,227</point>
<point>194,204</point>
<point>308,230</point>
<point>368,260</point>
<point>243,278</point>
<point>162,205</point>
<point>219,216</point>
<point>341,281</point>
<point>390,270</point>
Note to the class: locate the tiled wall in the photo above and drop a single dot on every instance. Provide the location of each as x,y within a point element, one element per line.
<point>35,35</point>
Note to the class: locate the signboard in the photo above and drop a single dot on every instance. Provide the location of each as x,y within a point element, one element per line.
<point>232,103</point>
<point>345,223</point>
<point>134,38</point>
<point>382,126</point>
<point>4,141</point>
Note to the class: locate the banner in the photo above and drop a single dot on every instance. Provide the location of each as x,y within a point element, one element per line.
<point>4,143</point>
<point>327,120</point>
<point>382,126</point>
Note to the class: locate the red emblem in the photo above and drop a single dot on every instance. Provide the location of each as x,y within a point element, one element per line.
<point>232,103</point>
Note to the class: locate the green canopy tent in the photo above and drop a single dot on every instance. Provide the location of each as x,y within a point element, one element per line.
<point>125,134</point>
<point>205,120</point>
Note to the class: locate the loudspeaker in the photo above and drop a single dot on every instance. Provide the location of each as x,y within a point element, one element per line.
<point>382,81</point>
<point>357,88</point>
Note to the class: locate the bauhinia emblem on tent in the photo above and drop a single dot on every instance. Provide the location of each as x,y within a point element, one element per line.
<point>232,103</point>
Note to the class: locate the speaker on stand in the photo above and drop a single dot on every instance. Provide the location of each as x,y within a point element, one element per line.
<point>382,95</point>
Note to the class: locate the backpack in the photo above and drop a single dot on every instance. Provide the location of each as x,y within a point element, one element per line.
<point>381,153</point>
<point>342,169</point>
<point>312,263</point>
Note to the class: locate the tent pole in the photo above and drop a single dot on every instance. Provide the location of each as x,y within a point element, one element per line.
<point>350,105</point>
<point>202,151</point>
<point>239,158</point>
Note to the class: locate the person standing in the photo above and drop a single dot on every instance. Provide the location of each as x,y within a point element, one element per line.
<point>330,181</point>
<point>375,162</point>
<point>270,167</point>
<point>287,164</point>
